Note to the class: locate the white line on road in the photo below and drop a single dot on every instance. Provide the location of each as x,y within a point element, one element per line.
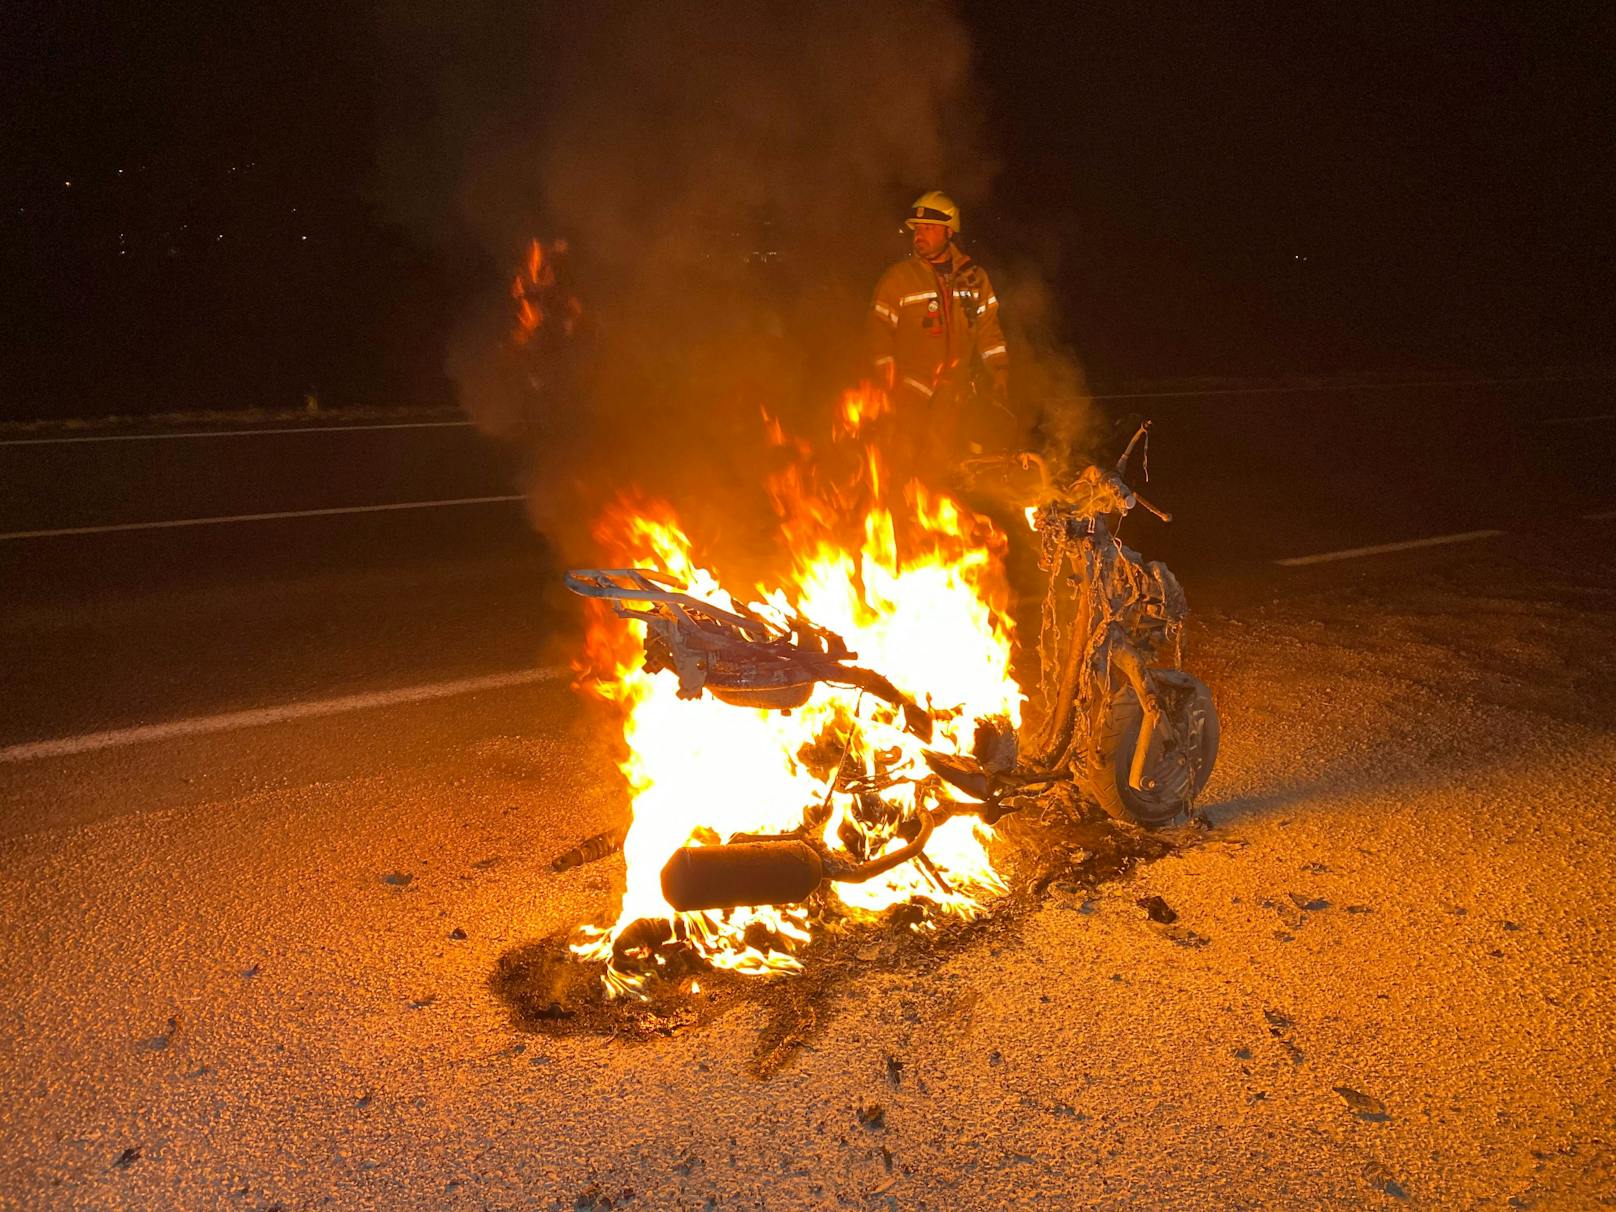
<point>1601,515</point>
<point>1313,388</point>
<point>1353,553</point>
<point>253,517</point>
<point>1601,416</point>
<point>1256,390</point>
<point>228,433</point>
<point>232,720</point>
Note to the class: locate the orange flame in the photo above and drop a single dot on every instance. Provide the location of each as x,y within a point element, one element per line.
<point>858,409</point>
<point>917,590</point>
<point>534,289</point>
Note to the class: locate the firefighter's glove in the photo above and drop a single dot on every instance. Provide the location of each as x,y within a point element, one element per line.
<point>999,391</point>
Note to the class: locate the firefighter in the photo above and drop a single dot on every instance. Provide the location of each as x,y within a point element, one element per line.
<point>935,339</point>
<point>549,326</point>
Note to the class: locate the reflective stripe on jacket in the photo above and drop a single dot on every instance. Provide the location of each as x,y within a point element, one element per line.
<point>927,322</point>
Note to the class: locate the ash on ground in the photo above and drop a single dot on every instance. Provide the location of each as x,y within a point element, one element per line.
<point>1060,848</point>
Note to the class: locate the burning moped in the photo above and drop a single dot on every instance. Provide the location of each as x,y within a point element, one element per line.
<point>1134,733</point>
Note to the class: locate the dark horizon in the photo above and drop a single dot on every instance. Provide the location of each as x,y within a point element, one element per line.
<point>1399,189</point>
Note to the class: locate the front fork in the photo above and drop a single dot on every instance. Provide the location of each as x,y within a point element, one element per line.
<point>1127,661</point>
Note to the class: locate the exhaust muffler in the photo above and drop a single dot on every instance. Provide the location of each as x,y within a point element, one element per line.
<point>743,873</point>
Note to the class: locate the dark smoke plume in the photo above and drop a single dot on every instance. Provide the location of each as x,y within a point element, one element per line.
<point>729,178</point>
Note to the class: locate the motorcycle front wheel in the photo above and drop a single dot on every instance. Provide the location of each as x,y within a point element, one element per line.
<point>1180,758</point>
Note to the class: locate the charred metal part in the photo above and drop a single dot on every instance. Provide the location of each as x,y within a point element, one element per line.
<point>1127,662</point>
<point>1143,432</point>
<point>793,835</point>
<point>966,774</point>
<point>916,719</point>
<point>819,814</point>
<point>961,772</point>
<point>737,655</point>
<point>776,872</point>
<point>1049,743</point>
<point>1141,749</point>
<point>871,784</point>
<point>932,873</point>
<point>1111,641</point>
<point>993,744</point>
<point>645,934</point>
<point>591,849</point>
<point>786,698</point>
<point>859,873</point>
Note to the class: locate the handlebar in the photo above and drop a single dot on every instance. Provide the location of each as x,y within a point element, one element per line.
<point>1142,432</point>
<point>1122,466</point>
<point>1125,495</point>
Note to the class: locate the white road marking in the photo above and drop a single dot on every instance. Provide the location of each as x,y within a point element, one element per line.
<point>228,433</point>
<point>257,717</point>
<point>1353,553</point>
<point>1296,389</point>
<point>1601,416</point>
<point>253,517</point>
<point>1601,515</point>
<point>1310,389</point>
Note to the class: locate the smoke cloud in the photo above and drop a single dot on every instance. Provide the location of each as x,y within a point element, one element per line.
<point>729,179</point>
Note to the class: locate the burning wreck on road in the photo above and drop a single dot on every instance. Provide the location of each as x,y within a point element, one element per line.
<point>839,755</point>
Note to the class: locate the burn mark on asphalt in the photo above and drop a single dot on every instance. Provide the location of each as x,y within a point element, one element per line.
<point>1068,849</point>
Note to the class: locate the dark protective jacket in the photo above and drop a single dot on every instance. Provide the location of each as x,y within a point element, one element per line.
<point>928,323</point>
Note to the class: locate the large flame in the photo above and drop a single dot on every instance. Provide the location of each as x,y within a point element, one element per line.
<point>916,588</point>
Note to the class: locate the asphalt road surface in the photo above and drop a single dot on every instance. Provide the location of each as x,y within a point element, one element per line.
<point>128,620</point>
<point>223,743</point>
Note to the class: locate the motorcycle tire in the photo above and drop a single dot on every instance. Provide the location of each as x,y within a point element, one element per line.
<point>1177,774</point>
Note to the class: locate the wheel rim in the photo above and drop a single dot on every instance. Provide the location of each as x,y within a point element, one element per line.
<point>1175,773</point>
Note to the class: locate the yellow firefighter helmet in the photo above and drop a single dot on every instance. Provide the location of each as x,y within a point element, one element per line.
<point>934,206</point>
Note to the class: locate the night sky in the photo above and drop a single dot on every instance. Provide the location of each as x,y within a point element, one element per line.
<point>1214,191</point>
<point>1445,171</point>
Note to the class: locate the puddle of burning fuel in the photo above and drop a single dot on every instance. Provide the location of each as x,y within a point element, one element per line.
<point>1055,846</point>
